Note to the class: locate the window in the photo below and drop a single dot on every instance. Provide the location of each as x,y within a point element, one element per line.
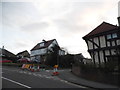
<point>41,44</point>
<point>114,35</point>
<point>109,36</point>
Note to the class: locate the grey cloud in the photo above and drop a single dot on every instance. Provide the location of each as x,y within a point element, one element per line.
<point>35,26</point>
<point>70,28</point>
<point>119,8</point>
<point>73,22</point>
<point>21,44</point>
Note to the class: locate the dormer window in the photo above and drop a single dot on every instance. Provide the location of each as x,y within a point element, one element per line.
<point>114,35</point>
<point>41,44</point>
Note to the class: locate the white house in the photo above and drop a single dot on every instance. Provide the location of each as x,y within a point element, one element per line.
<point>40,51</point>
<point>104,44</point>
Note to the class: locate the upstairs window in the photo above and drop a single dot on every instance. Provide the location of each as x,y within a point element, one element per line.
<point>114,35</point>
<point>109,36</point>
<point>41,44</point>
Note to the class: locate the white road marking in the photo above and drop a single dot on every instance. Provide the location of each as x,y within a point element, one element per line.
<point>25,72</point>
<point>29,73</point>
<point>48,77</point>
<point>16,82</point>
<point>62,80</point>
<point>20,71</point>
<point>56,78</point>
<point>44,75</point>
<point>34,74</point>
<point>40,75</point>
<point>47,71</point>
<point>74,84</point>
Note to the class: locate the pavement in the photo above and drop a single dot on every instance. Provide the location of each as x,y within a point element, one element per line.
<point>70,77</point>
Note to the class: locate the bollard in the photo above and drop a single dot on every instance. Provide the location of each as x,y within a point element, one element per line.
<point>55,72</point>
<point>38,68</point>
<point>23,66</point>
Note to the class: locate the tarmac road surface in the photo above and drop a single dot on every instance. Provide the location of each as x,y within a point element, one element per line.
<point>16,78</point>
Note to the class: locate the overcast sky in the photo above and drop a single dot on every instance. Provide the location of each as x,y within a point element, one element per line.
<point>26,23</point>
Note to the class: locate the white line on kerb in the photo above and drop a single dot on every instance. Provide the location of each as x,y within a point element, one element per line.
<point>16,82</point>
<point>75,84</point>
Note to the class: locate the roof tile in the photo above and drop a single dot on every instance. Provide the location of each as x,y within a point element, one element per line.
<point>104,27</point>
<point>46,44</point>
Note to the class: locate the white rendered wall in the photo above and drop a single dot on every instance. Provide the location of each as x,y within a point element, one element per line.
<point>102,41</point>
<point>118,42</point>
<point>101,56</point>
<point>96,58</point>
<point>38,52</point>
<point>90,45</point>
<point>96,41</point>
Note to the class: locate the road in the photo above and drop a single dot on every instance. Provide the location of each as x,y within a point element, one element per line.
<point>16,78</point>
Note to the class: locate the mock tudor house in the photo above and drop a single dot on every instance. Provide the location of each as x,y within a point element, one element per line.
<point>104,43</point>
<point>41,50</point>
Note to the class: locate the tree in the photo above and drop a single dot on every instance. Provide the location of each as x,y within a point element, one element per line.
<point>52,55</point>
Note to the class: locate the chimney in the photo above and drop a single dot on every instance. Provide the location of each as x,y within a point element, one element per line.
<point>119,21</point>
<point>44,41</point>
<point>3,47</point>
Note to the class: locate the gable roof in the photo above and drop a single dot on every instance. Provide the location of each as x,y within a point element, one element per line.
<point>104,27</point>
<point>46,44</point>
<point>23,52</point>
<point>6,53</point>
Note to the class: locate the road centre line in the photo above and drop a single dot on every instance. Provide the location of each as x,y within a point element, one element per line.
<point>16,82</point>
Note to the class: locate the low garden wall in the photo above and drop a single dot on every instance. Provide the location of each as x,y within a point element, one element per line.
<point>96,74</point>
